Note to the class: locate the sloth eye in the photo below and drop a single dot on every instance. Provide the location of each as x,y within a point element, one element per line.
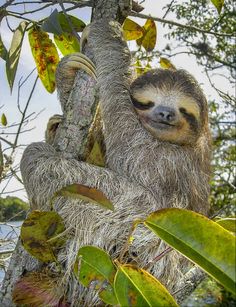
<point>183,110</point>
<point>142,106</point>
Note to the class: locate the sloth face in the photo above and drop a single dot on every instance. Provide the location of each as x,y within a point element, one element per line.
<point>165,107</point>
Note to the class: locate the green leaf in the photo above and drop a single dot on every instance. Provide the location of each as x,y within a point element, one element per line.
<point>148,40</point>
<point>132,30</point>
<point>4,119</point>
<point>228,223</point>
<point>198,238</point>
<point>96,156</point>
<point>136,287</point>
<point>39,234</point>
<point>14,52</point>
<point>45,55</point>
<point>77,24</point>
<point>218,4</point>
<point>80,191</point>
<point>67,43</point>
<point>52,24</point>
<point>97,270</point>
<point>3,50</point>
<point>166,64</point>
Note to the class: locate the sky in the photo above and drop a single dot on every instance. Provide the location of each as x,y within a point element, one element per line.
<point>47,104</point>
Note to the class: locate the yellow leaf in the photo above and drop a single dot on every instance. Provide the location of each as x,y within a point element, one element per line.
<point>39,234</point>
<point>45,55</point>
<point>132,30</point>
<point>148,41</point>
<point>136,287</point>
<point>166,64</point>
<point>96,157</point>
<point>67,43</point>
<point>218,4</point>
<point>4,119</point>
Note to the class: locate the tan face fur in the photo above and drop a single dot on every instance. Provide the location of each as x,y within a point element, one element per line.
<point>167,112</point>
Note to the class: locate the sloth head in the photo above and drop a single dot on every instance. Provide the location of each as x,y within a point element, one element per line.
<point>170,105</point>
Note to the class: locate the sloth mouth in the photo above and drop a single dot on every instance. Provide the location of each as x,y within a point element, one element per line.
<point>157,124</point>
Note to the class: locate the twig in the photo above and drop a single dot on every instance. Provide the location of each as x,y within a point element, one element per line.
<point>24,114</point>
<point>7,251</point>
<point>5,5</point>
<point>6,141</point>
<point>167,11</point>
<point>159,257</point>
<point>173,23</point>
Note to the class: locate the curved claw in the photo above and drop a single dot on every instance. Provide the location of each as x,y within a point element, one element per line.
<point>81,61</point>
<point>52,126</point>
<point>84,37</point>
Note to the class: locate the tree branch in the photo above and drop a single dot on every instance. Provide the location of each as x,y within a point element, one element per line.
<point>173,23</point>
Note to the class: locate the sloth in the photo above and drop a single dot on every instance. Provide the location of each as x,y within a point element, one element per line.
<point>158,148</point>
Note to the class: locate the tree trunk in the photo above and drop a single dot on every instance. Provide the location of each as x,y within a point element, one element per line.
<point>70,139</point>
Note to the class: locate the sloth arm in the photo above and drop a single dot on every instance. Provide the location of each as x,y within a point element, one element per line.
<point>112,60</point>
<point>45,171</point>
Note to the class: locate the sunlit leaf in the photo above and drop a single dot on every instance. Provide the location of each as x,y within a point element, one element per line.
<point>67,43</point>
<point>228,223</point>
<point>150,36</point>
<point>96,156</point>
<point>200,239</point>
<point>218,4</point>
<point>80,191</point>
<point>78,25</point>
<point>3,119</point>
<point>97,270</point>
<point>45,55</point>
<point>52,24</point>
<point>38,289</point>
<point>148,40</point>
<point>136,287</point>
<point>132,30</point>
<point>14,52</point>
<point>3,50</point>
<point>39,234</point>
<point>166,64</point>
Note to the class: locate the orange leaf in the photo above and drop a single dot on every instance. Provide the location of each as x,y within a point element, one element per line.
<point>85,193</point>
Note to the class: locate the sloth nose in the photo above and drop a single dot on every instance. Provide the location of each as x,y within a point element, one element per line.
<point>165,114</point>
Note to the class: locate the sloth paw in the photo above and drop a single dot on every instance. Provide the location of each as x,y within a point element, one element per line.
<point>69,65</point>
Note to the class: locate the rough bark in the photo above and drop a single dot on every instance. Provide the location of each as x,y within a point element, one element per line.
<point>70,139</point>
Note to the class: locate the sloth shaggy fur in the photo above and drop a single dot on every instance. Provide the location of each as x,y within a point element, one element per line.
<point>142,174</point>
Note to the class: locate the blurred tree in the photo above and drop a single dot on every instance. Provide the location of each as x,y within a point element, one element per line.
<point>12,208</point>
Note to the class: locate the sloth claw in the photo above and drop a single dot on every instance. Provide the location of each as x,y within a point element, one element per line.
<point>71,63</point>
<point>52,126</point>
<point>81,61</point>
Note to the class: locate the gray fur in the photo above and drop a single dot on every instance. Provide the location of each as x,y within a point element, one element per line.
<point>143,174</point>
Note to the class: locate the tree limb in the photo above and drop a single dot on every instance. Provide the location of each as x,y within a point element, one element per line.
<point>173,23</point>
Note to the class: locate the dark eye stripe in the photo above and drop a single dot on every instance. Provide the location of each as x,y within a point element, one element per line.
<point>191,119</point>
<point>139,105</point>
